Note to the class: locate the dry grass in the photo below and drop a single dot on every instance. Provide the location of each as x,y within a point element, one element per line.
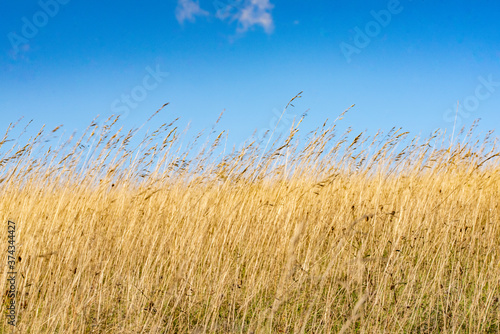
<point>318,235</point>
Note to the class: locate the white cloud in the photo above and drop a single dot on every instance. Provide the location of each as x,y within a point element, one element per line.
<point>255,12</point>
<point>247,13</point>
<point>188,10</point>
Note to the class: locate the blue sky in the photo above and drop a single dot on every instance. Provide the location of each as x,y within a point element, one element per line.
<point>403,63</point>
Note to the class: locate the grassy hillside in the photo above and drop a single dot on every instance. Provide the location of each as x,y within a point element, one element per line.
<point>312,233</point>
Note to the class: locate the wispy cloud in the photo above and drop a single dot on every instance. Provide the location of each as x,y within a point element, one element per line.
<point>256,12</point>
<point>188,10</point>
<point>247,13</point>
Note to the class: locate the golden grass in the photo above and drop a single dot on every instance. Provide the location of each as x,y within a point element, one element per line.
<point>318,235</point>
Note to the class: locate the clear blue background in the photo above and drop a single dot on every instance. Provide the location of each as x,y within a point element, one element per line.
<point>90,53</point>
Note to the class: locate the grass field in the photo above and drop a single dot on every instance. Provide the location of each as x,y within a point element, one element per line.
<point>329,233</point>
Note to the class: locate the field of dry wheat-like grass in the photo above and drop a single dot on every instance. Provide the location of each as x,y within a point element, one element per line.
<point>329,233</point>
